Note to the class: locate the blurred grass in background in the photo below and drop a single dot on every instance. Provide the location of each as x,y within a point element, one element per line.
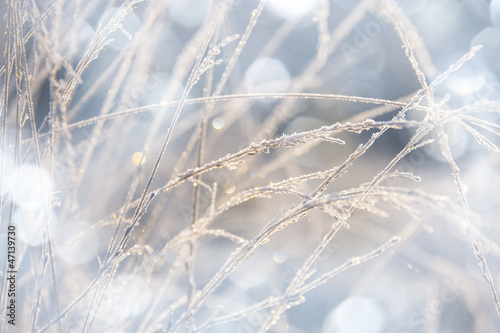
<point>245,166</point>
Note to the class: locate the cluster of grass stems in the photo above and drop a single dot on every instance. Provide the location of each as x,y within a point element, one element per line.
<point>198,202</point>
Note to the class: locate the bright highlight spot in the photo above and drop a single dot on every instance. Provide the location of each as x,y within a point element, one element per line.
<point>487,58</point>
<point>138,158</point>
<point>484,185</point>
<point>243,168</point>
<point>495,12</point>
<point>230,189</point>
<point>475,86</point>
<point>465,85</point>
<point>279,257</point>
<point>34,187</point>
<point>267,75</point>
<point>74,246</point>
<point>356,315</point>
<point>291,8</point>
<point>218,123</point>
<point>32,227</point>
<point>126,297</point>
<point>253,271</point>
<point>189,13</point>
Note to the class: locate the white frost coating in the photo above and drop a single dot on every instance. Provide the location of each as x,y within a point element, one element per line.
<point>129,26</point>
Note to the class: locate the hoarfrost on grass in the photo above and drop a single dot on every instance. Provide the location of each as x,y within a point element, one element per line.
<point>251,165</point>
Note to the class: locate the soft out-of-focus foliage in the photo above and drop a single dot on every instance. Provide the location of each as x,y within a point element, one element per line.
<point>251,166</point>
